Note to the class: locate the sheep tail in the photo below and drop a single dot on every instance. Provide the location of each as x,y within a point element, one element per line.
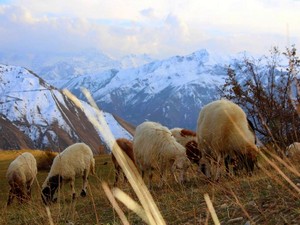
<point>93,166</point>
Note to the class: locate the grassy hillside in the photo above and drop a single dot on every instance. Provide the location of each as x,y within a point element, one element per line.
<point>264,198</point>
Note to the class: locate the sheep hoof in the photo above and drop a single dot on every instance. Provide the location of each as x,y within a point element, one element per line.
<point>83,193</point>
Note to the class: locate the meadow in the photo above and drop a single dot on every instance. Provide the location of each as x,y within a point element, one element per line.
<point>267,197</point>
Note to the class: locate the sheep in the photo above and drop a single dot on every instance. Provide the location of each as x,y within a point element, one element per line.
<point>75,160</point>
<point>126,146</point>
<point>21,174</point>
<point>292,149</point>
<point>154,147</point>
<point>188,139</point>
<point>223,131</point>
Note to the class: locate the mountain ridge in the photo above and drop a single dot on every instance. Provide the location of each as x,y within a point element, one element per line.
<point>45,115</point>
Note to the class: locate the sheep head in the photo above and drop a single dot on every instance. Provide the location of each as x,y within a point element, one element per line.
<point>49,191</point>
<point>193,153</point>
<point>181,165</point>
<point>247,160</point>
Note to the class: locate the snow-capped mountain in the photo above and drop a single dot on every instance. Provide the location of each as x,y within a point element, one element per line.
<point>44,115</point>
<point>170,91</point>
<point>88,62</point>
<point>59,68</point>
<point>134,61</point>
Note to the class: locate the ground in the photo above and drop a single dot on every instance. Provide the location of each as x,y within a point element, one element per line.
<point>264,198</point>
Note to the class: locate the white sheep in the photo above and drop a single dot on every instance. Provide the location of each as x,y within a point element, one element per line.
<point>154,147</point>
<point>292,149</point>
<point>75,160</point>
<point>222,131</point>
<point>188,139</point>
<point>21,174</point>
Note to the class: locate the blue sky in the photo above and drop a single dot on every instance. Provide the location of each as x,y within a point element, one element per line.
<point>159,28</point>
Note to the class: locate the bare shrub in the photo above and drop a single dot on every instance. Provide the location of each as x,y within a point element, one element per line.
<point>262,87</point>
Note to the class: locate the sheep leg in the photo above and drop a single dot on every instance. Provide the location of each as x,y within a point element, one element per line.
<point>11,196</point>
<point>205,167</point>
<point>28,187</point>
<point>218,169</point>
<point>163,177</point>
<point>227,161</point>
<point>84,184</point>
<point>124,177</point>
<point>117,174</point>
<point>237,166</point>
<point>19,190</point>
<point>150,175</point>
<point>73,189</point>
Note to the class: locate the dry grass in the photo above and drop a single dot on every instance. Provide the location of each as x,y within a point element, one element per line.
<point>264,198</point>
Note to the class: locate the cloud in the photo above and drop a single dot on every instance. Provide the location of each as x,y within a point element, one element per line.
<point>149,12</point>
<point>24,32</point>
<point>160,28</point>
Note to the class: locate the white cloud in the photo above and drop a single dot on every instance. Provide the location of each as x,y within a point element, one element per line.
<point>162,28</point>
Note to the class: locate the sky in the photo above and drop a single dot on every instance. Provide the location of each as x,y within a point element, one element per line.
<point>160,28</point>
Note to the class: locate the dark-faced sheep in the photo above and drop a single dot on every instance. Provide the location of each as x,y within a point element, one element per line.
<point>188,139</point>
<point>222,131</point>
<point>126,146</point>
<point>21,174</point>
<point>155,148</point>
<point>75,160</point>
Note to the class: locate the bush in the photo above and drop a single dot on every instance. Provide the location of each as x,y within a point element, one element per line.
<point>45,159</point>
<point>269,93</point>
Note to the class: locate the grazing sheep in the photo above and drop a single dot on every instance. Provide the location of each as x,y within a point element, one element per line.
<point>126,146</point>
<point>222,131</point>
<point>21,174</point>
<point>154,147</point>
<point>188,139</point>
<point>75,160</point>
<point>292,149</point>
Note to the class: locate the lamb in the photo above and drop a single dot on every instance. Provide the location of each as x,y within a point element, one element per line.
<point>154,147</point>
<point>223,131</point>
<point>188,139</point>
<point>292,149</point>
<point>75,160</point>
<point>126,146</point>
<point>21,174</point>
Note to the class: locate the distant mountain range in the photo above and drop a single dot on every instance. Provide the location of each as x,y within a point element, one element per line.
<point>170,91</point>
<point>134,89</point>
<point>34,114</point>
<point>57,67</point>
